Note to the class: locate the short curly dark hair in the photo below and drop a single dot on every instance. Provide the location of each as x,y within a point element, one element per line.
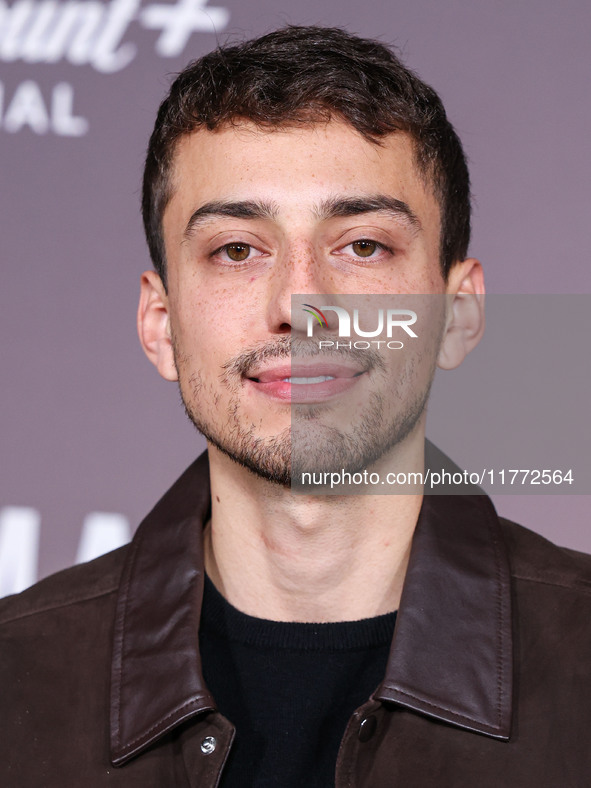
<point>304,75</point>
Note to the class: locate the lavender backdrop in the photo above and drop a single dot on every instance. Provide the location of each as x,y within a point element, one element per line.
<point>90,435</point>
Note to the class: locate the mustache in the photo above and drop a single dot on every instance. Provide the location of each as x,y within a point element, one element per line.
<point>288,347</point>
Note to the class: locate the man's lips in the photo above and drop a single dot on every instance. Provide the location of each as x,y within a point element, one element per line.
<point>305,383</point>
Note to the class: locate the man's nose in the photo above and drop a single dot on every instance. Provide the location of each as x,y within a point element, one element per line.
<point>300,278</point>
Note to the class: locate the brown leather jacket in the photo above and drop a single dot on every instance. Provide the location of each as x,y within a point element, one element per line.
<point>488,681</point>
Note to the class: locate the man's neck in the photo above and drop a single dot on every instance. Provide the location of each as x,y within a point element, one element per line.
<point>283,556</point>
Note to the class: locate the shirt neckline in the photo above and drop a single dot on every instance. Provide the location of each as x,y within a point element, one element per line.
<point>221,618</point>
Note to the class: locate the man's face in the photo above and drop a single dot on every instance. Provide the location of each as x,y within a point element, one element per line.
<point>256,216</point>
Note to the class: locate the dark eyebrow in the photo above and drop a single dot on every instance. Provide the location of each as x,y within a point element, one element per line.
<point>378,203</point>
<point>328,209</point>
<point>243,209</point>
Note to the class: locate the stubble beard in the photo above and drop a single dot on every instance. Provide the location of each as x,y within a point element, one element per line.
<point>308,444</point>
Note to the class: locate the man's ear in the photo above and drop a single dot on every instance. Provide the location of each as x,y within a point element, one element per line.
<point>465,313</point>
<point>153,325</point>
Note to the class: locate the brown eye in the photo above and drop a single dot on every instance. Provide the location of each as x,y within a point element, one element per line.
<point>364,248</point>
<point>237,252</point>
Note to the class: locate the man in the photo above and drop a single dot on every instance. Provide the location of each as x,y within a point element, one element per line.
<point>252,635</point>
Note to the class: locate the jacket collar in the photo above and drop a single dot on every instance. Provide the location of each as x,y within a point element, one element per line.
<point>156,679</point>
<point>451,656</point>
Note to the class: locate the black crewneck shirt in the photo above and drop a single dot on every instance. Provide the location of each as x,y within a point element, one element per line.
<point>288,688</point>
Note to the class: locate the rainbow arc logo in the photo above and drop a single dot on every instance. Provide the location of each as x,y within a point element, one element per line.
<point>315,312</point>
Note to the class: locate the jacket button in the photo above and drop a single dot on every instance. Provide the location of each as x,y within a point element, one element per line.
<point>367,728</point>
<point>208,745</point>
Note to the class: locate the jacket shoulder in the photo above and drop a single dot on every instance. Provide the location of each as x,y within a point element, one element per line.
<point>77,584</point>
<point>537,559</point>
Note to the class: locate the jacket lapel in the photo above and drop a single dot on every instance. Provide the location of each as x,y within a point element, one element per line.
<point>156,680</point>
<point>451,655</point>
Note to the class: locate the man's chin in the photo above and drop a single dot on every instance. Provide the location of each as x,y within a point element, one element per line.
<point>268,459</point>
<point>310,446</point>
<point>299,449</point>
